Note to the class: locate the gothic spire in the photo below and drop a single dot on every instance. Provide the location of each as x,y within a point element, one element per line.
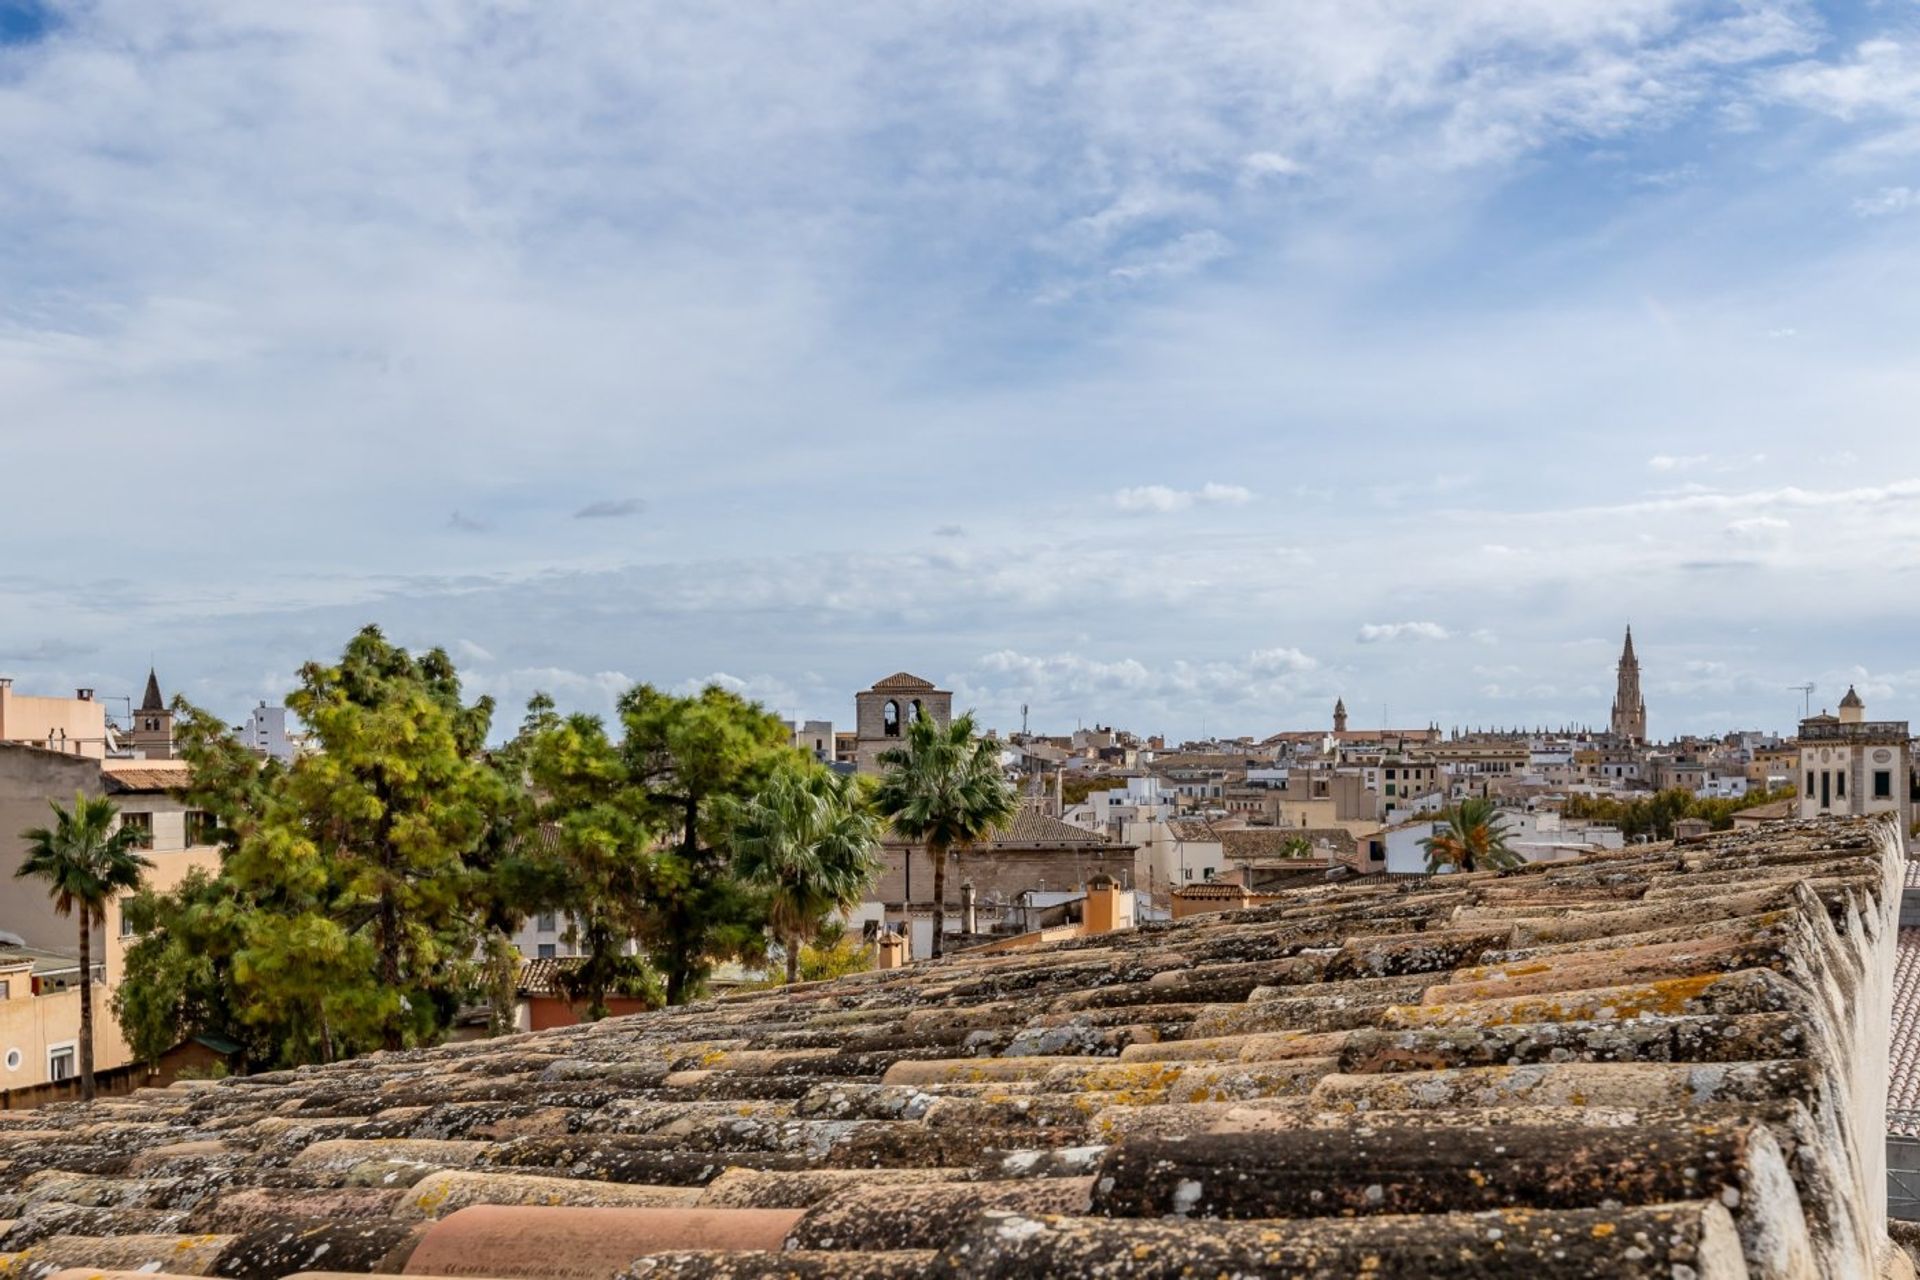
<point>153,701</point>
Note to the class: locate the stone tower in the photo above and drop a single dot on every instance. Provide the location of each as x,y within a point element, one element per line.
<point>881,715</point>
<point>1340,715</point>
<point>1629,708</point>
<point>152,734</point>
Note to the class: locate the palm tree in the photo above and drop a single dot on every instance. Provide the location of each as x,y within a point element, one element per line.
<point>1472,836</point>
<point>946,788</point>
<point>87,861</point>
<point>810,839</point>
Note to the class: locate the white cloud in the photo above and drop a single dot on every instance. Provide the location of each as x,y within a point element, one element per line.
<point>1069,683</point>
<point>1758,528</point>
<point>1159,499</point>
<point>1880,78</point>
<point>1673,462</point>
<point>771,692</point>
<point>1887,200</point>
<point>1263,166</point>
<point>1280,660</point>
<point>468,651</point>
<point>1388,632</point>
<point>1183,255</point>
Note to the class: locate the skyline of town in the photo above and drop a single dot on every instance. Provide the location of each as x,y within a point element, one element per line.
<point>1091,710</point>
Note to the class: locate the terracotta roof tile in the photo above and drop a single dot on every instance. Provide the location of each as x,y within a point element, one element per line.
<point>903,680</point>
<point>1643,1062</point>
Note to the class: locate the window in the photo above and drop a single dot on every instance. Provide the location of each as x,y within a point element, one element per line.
<point>141,824</point>
<point>126,924</point>
<point>547,922</point>
<point>1809,784</point>
<point>60,1062</point>
<point>1882,784</point>
<point>6,988</point>
<point>546,951</point>
<point>202,829</point>
<point>890,719</point>
<point>1840,784</point>
<point>13,1059</point>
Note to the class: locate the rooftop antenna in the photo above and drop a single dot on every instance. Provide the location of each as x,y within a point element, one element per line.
<point>1806,698</point>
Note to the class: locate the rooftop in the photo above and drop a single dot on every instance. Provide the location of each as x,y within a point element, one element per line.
<point>1665,1060</point>
<point>903,680</point>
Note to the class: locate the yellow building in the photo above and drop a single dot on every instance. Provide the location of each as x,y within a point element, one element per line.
<point>71,726</point>
<point>39,949</point>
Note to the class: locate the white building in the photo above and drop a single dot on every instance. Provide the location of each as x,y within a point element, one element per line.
<point>815,737</point>
<point>265,733</point>
<point>1853,766</point>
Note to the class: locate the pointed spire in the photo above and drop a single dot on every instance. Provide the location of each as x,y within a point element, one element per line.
<point>153,701</point>
<point>1626,654</point>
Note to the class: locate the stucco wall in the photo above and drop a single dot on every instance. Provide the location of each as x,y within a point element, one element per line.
<point>29,778</point>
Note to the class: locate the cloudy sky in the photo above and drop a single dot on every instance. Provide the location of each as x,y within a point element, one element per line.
<point>1180,363</point>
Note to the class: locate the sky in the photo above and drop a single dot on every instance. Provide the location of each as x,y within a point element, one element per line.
<point>1180,364</point>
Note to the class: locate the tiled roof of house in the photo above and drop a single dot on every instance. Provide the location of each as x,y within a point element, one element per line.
<point>1192,829</point>
<point>1661,1061</point>
<point>1031,826</point>
<point>903,680</point>
<point>1251,843</point>
<point>1903,1064</point>
<point>147,777</point>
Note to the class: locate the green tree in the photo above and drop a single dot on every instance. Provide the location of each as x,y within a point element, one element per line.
<point>945,788</point>
<point>86,860</point>
<point>589,850</point>
<point>811,842</point>
<point>381,823</point>
<point>1472,835</point>
<point>693,757</point>
<point>178,980</point>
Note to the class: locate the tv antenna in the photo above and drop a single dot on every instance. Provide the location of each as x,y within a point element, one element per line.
<point>1806,698</point>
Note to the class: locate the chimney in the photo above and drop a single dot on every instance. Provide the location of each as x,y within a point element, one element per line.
<point>891,950</point>
<point>969,909</point>
<point>84,695</point>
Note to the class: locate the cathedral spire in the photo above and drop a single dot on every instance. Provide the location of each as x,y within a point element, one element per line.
<point>1629,721</point>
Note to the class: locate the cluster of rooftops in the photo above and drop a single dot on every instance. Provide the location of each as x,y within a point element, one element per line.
<point>1664,1061</point>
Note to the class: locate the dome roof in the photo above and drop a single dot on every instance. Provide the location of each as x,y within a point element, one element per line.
<point>1852,699</point>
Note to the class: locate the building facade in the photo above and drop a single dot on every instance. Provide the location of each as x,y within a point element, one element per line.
<point>40,1016</point>
<point>265,733</point>
<point>1851,766</point>
<point>71,726</point>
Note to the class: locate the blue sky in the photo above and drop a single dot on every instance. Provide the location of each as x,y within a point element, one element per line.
<point>1179,364</point>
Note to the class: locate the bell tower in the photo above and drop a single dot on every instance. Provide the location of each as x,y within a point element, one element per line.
<point>1629,708</point>
<point>151,737</point>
